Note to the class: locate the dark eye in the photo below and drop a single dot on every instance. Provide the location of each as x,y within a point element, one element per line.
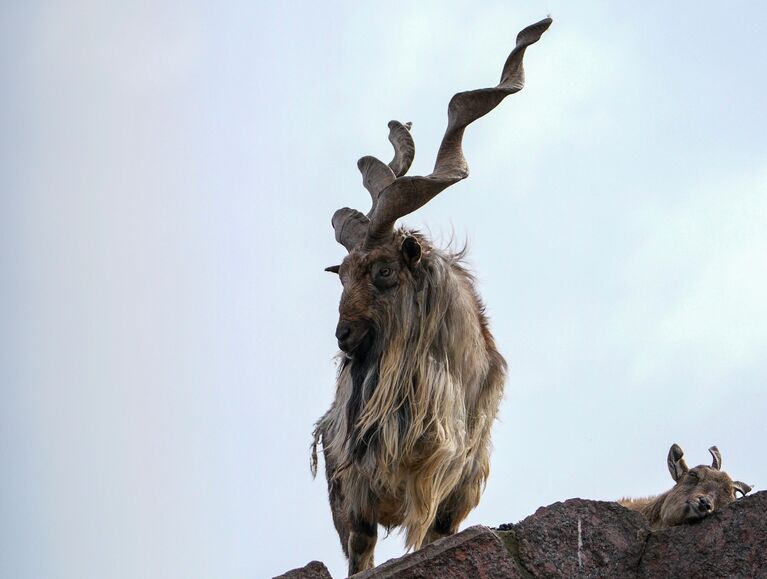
<point>384,275</point>
<point>693,475</point>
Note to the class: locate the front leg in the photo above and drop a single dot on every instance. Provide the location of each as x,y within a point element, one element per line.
<point>444,526</point>
<point>363,534</point>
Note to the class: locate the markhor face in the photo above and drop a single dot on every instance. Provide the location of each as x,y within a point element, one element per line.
<point>698,493</point>
<point>370,281</point>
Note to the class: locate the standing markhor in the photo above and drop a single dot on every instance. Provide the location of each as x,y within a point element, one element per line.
<point>407,438</point>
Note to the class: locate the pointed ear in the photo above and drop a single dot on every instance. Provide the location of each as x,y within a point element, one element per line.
<point>676,464</point>
<point>411,250</point>
<point>333,268</point>
<point>741,487</point>
<point>716,463</point>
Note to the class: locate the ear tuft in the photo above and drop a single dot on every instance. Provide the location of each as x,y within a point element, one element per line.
<point>411,250</point>
<point>333,268</point>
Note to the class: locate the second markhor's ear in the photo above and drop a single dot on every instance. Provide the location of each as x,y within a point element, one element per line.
<point>333,268</point>
<point>741,487</point>
<point>676,464</point>
<point>411,250</point>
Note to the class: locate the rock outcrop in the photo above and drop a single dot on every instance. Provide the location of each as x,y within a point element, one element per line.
<point>314,570</point>
<point>588,539</point>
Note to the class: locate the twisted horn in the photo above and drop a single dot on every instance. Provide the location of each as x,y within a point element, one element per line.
<point>349,224</point>
<point>404,147</point>
<point>394,195</point>
<point>376,176</point>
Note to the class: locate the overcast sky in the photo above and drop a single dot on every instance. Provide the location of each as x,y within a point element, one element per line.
<point>168,171</point>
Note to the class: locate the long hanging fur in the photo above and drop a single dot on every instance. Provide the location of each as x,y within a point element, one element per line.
<point>409,429</point>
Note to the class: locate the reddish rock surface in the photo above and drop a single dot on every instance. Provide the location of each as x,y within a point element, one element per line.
<point>730,543</point>
<point>476,552</point>
<point>611,542</point>
<point>580,538</point>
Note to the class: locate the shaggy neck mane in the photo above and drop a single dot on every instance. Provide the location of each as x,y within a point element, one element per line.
<point>408,401</point>
<point>418,401</point>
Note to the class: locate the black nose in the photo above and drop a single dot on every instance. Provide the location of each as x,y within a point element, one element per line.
<point>343,329</point>
<point>705,504</point>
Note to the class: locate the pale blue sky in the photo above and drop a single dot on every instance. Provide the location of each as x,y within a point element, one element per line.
<point>167,175</point>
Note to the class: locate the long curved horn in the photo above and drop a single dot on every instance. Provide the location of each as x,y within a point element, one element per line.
<point>350,226</point>
<point>406,194</point>
<point>716,463</point>
<point>404,147</point>
<point>394,195</point>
